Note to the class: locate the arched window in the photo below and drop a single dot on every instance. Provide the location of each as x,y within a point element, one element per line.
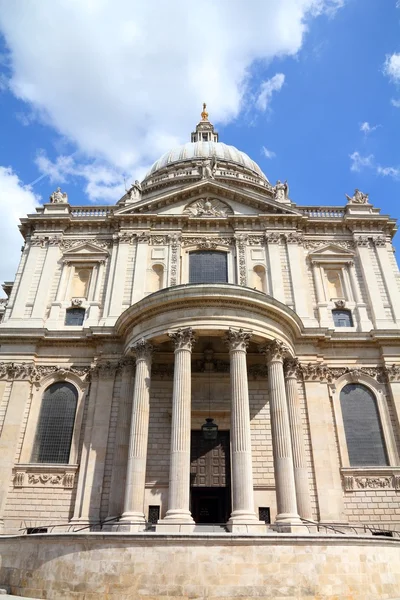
<point>206,266</point>
<point>342,318</point>
<point>74,316</point>
<point>56,423</point>
<point>259,278</point>
<point>362,426</point>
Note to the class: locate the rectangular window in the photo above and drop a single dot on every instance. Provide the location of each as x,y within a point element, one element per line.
<point>342,318</point>
<point>74,316</point>
<point>208,267</point>
<point>264,514</point>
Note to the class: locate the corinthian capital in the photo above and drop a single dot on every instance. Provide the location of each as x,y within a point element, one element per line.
<point>237,339</point>
<point>275,350</point>
<point>184,339</point>
<point>291,367</point>
<point>143,349</point>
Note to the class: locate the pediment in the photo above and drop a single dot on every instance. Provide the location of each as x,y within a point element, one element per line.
<point>85,251</point>
<point>331,252</point>
<point>225,201</point>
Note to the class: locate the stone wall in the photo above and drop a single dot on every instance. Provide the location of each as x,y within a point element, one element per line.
<point>155,567</point>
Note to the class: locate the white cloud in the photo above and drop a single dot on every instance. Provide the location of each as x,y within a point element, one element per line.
<point>367,128</point>
<point>104,183</point>
<point>267,88</point>
<point>391,67</point>
<point>389,172</point>
<point>124,80</point>
<point>268,153</point>
<point>16,201</point>
<point>395,102</point>
<point>359,162</point>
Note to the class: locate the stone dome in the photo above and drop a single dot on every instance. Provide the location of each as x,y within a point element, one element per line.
<point>199,150</point>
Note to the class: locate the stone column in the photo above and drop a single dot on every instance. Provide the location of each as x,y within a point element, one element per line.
<point>136,471</point>
<point>297,436</point>
<point>361,307</point>
<point>243,517</point>
<point>287,519</point>
<point>178,517</point>
<point>121,449</point>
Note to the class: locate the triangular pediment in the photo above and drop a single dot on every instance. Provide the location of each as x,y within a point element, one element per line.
<point>79,251</point>
<point>228,202</point>
<point>331,251</point>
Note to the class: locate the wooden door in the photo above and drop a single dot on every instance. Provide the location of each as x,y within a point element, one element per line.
<point>209,463</point>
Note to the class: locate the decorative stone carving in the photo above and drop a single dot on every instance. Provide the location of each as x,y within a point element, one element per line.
<point>323,373</point>
<point>208,207</point>
<point>58,197</point>
<point>207,242</point>
<point>38,241</point>
<point>104,369</point>
<point>362,240</point>
<point>292,367</point>
<point>44,476</point>
<point>281,191</point>
<point>184,339</point>
<point>162,370</point>
<point>76,302</point>
<point>348,481</point>
<point>209,364</point>
<point>126,237</point>
<point>175,242</point>
<point>241,241</point>
<point>257,371</point>
<point>379,241</point>
<point>357,198</point>
<point>99,243</point>
<point>159,240</point>
<point>294,237</point>
<point>255,240</point>
<point>373,483</point>
<point>275,350</point>
<point>143,349</point>
<point>314,244</point>
<point>392,373</point>
<point>273,237</point>
<point>237,339</point>
<point>340,303</point>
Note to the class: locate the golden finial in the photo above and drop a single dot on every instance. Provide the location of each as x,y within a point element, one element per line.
<point>204,114</point>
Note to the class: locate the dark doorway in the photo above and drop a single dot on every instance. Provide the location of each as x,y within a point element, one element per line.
<point>210,478</point>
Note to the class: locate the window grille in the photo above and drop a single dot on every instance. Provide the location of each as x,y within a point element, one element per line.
<point>74,316</point>
<point>362,426</point>
<point>208,267</point>
<point>264,514</point>
<point>154,514</point>
<point>56,423</point>
<point>342,318</point>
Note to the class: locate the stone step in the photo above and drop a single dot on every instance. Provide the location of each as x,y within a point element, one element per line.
<point>210,528</point>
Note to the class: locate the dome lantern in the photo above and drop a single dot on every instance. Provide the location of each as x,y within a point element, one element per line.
<point>204,129</point>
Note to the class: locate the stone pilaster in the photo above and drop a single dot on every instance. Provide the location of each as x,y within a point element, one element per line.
<point>178,517</point>
<point>297,436</point>
<point>243,517</point>
<point>136,470</point>
<point>287,519</point>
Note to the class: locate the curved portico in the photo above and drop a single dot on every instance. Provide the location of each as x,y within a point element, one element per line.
<point>185,314</point>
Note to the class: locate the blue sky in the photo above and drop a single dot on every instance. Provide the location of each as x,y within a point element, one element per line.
<point>92,92</point>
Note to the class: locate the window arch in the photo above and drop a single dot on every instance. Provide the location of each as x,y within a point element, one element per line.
<point>55,425</point>
<point>362,427</point>
<point>206,266</point>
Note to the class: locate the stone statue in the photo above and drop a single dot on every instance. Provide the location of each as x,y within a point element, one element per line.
<point>358,197</point>
<point>208,168</point>
<point>281,190</point>
<point>135,192</point>
<point>58,197</point>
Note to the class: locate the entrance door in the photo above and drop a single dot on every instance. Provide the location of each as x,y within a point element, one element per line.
<point>210,478</point>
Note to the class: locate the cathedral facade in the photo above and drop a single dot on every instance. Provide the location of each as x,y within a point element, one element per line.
<point>203,353</point>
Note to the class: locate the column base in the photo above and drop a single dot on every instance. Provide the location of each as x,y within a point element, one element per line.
<point>133,522</point>
<point>287,523</point>
<point>245,522</point>
<point>176,521</point>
